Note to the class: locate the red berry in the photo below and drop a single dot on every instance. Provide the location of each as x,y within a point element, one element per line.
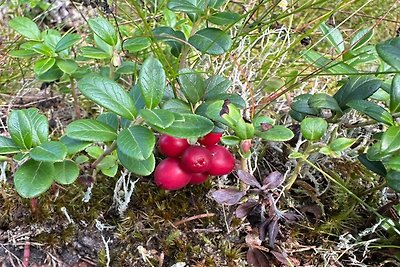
<point>198,178</point>
<point>196,159</point>
<point>222,161</point>
<point>210,139</point>
<point>169,175</point>
<point>172,146</point>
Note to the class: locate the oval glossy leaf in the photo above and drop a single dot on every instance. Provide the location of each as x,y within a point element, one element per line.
<point>188,6</point>
<point>67,41</point>
<point>389,51</point>
<point>73,145</point>
<point>372,110</point>
<point>394,163</point>
<point>395,94</point>
<point>228,196</point>
<point>300,104</point>
<point>68,66</point>
<point>139,167</point>
<point>393,180</point>
<point>43,65</point>
<point>375,166</point>
<point>136,44</point>
<point>7,146</point>
<point>39,126</point>
<point>109,118</point>
<point>33,178</point>
<point>341,144</point>
<point>19,127</point>
<point>333,67</point>
<point>158,117</point>
<point>277,133</point>
<point>323,101</point>
<point>23,53</point>
<point>50,152</point>
<point>233,98</point>
<point>93,52</point>
<point>190,126</point>
<point>224,18</point>
<point>107,162</point>
<point>361,38</point>
<point>109,94</point>
<point>66,172</point>
<point>136,142</point>
<point>175,39</point>
<point>391,140</point>
<point>192,85</point>
<point>211,41</point>
<point>313,128</point>
<point>43,49</point>
<point>103,29</point>
<point>53,74</point>
<point>334,37</point>
<point>176,105</point>
<point>152,80</point>
<point>91,130</point>
<point>26,28</point>
<point>230,140</point>
<point>216,85</point>
<point>357,88</point>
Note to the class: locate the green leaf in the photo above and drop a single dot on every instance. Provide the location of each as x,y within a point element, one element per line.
<point>211,41</point>
<point>159,117</point>
<point>33,178</point>
<point>313,128</point>
<point>394,163</point>
<point>334,37</point>
<point>73,145</point>
<point>277,133</point>
<point>136,44</point>
<point>110,172</point>
<point>7,146</point>
<point>375,166</point>
<point>39,124</point>
<point>81,159</point>
<point>127,67</point>
<point>91,130</point>
<point>372,110</point>
<point>233,98</point>
<point>188,6</point>
<point>395,94</point>
<point>51,151</point>
<point>224,18</point>
<point>300,104</point>
<point>152,80</point>
<point>92,52</point>
<point>333,67</point>
<point>20,129</point>
<point>273,84</point>
<point>323,101</point>
<point>389,51</point>
<point>68,66</point>
<point>361,38</point>
<point>67,41</point>
<point>43,49</point>
<point>103,29</point>
<point>175,39</point>
<point>53,74</point>
<point>109,118</point>
<point>109,94</point>
<point>136,142</point>
<point>216,3</point>
<point>43,65</point>
<point>137,97</point>
<point>26,28</point>
<point>176,105</point>
<point>357,88</point>
<point>107,162</point>
<point>391,140</point>
<point>23,53</point>
<point>375,153</point>
<point>66,172</point>
<point>138,167</point>
<point>341,144</point>
<point>192,85</point>
<point>230,140</point>
<point>188,126</point>
<point>94,151</point>
<point>216,85</point>
<point>393,180</point>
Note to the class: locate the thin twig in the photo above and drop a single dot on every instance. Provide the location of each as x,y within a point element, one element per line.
<point>200,216</point>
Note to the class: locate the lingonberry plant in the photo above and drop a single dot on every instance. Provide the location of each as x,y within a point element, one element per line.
<point>165,98</point>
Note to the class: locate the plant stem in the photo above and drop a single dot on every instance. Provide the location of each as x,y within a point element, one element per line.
<point>108,151</point>
<point>74,93</point>
<point>186,48</point>
<point>298,167</point>
<point>244,167</point>
<point>112,70</point>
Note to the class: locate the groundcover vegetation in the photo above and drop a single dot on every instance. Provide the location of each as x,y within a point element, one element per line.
<point>199,133</point>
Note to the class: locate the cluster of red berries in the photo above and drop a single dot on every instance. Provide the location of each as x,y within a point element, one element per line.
<point>193,164</point>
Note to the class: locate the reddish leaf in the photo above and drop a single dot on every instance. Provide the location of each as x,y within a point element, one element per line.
<point>281,257</point>
<point>273,229</point>
<point>247,178</point>
<point>228,196</point>
<point>273,180</point>
<point>291,217</point>
<point>256,258</point>
<point>244,209</point>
